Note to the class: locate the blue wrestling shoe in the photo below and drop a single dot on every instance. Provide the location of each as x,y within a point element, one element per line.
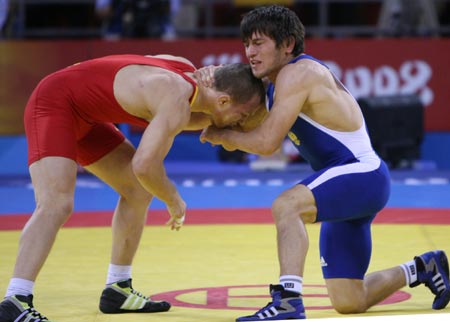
<point>285,305</point>
<point>432,270</point>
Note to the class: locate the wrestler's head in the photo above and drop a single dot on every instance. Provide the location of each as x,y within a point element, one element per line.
<point>279,23</point>
<point>240,95</point>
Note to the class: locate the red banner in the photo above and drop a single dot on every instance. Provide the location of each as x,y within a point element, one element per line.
<point>366,66</point>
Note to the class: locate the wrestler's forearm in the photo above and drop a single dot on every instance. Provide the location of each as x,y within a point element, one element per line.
<point>148,162</point>
<point>159,185</point>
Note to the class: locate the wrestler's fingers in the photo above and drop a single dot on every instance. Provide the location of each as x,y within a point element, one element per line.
<point>176,223</point>
<point>205,75</point>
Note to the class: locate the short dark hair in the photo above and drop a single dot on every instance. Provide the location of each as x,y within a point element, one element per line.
<point>277,22</point>
<point>238,81</point>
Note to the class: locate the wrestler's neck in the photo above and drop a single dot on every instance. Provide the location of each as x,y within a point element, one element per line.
<point>278,66</point>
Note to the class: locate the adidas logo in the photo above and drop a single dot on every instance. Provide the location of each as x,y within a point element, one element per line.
<point>270,313</point>
<point>323,263</point>
<point>288,285</point>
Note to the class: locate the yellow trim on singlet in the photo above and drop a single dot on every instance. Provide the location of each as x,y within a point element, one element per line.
<point>194,96</point>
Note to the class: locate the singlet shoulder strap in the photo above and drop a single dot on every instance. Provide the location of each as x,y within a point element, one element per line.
<point>306,56</point>
<point>178,67</point>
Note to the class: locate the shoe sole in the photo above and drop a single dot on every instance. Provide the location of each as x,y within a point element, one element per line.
<point>120,311</point>
<point>129,311</point>
<point>275,319</point>
<point>109,309</point>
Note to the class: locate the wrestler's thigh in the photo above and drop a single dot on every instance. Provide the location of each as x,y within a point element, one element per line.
<point>53,179</point>
<point>296,200</point>
<point>115,169</point>
<point>345,248</point>
<point>98,141</point>
<point>50,132</point>
<point>346,192</point>
<point>106,153</point>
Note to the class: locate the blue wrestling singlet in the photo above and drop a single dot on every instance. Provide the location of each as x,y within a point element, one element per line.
<point>351,185</point>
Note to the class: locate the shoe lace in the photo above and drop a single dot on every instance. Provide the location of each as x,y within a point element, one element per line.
<point>133,291</point>
<point>34,314</point>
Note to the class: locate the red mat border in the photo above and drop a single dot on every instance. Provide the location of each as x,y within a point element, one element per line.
<point>435,216</point>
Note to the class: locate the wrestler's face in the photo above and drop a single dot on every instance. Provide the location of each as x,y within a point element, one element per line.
<point>264,57</point>
<point>229,114</point>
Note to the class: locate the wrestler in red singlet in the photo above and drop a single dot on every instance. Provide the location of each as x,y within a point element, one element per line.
<point>71,112</point>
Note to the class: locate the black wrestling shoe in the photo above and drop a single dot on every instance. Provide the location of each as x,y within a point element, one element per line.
<point>120,297</point>
<point>19,308</point>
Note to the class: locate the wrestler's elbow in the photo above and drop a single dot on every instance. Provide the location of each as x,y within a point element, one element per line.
<point>267,147</point>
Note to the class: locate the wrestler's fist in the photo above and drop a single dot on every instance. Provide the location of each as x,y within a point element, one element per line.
<point>216,136</point>
<point>177,211</point>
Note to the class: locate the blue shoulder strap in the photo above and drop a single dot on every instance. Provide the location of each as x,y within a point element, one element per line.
<point>305,56</point>
<point>271,88</point>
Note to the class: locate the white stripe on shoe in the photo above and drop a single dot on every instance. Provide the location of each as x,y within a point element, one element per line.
<point>133,302</point>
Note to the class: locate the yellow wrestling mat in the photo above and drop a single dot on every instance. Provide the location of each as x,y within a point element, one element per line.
<point>208,272</point>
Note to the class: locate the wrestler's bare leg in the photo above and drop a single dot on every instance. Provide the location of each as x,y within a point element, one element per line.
<point>131,210</point>
<point>295,207</point>
<point>291,210</point>
<point>357,296</point>
<point>53,180</point>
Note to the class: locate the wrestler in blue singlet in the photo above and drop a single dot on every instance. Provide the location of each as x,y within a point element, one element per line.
<point>351,184</point>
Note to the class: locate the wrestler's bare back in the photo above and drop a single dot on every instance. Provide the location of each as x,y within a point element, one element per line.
<point>140,89</point>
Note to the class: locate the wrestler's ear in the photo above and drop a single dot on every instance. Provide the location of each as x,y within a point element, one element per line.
<point>224,100</point>
<point>289,44</point>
